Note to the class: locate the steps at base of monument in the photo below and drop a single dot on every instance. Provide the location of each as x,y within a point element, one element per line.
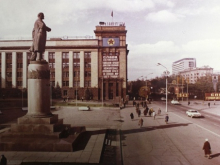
<point>31,120</point>
<point>39,144</point>
<point>13,136</point>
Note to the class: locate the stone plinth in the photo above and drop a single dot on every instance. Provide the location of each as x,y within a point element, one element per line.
<point>39,89</point>
<point>40,134</point>
<point>39,130</point>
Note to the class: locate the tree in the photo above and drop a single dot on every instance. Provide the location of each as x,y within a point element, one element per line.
<point>144,91</point>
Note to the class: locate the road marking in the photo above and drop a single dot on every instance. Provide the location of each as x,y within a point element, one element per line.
<point>199,126</point>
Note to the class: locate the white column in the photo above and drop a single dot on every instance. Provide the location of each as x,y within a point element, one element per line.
<point>3,70</point>
<point>70,69</point>
<point>24,71</point>
<point>14,70</point>
<point>82,67</point>
<point>46,56</point>
<point>58,69</point>
<point>94,69</point>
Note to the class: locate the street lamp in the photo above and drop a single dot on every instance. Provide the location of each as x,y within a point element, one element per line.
<point>102,91</point>
<point>166,82</point>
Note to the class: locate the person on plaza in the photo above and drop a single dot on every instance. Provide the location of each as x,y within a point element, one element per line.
<point>150,112</point>
<point>159,111</point>
<point>132,116</point>
<point>209,105</point>
<point>154,114</point>
<point>82,99</point>
<point>188,102</point>
<point>147,109</point>
<point>140,123</point>
<point>137,104</point>
<point>3,160</point>
<point>137,109</point>
<point>166,118</point>
<point>139,113</point>
<point>145,112</point>
<point>207,148</point>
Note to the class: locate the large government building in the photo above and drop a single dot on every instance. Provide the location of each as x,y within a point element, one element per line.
<point>77,66</point>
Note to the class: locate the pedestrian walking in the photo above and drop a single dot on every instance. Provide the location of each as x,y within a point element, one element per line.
<point>82,99</point>
<point>209,105</point>
<point>140,123</point>
<point>132,116</point>
<point>159,111</point>
<point>207,149</point>
<point>150,112</point>
<point>154,114</point>
<point>166,118</point>
<point>3,160</point>
<point>139,113</point>
<point>188,102</point>
<point>137,110</point>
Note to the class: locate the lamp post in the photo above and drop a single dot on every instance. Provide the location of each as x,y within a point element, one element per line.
<point>102,91</point>
<point>166,83</point>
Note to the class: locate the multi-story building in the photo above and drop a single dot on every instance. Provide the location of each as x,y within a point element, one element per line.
<point>183,64</point>
<point>77,66</point>
<point>193,74</point>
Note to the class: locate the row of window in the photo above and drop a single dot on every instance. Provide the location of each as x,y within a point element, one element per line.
<point>75,65</point>
<point>76,83</point>
<point>110,53</point>
<point>77,74</point>
<point>65,55</point>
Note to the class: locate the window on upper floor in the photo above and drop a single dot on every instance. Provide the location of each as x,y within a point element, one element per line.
<point>75,55</point>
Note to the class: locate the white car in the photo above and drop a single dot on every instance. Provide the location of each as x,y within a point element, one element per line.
<point>193,113</point>
<point>175,102</point>
<point>163,98</point>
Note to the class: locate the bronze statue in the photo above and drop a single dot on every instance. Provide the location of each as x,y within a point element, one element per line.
<point>39,35</point>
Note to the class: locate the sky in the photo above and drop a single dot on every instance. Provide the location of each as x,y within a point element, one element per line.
<point>158,31</point>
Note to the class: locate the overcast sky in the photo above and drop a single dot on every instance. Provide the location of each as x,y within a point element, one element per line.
<point>158,31</point>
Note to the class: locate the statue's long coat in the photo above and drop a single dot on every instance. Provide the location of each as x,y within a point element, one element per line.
<point>39,35</point>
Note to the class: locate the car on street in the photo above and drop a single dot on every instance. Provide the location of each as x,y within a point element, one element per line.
<point>175,102</point>
<point>193,113</point>
<point>163,98</point>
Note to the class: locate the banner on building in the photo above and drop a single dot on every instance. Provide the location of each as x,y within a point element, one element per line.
<point>182,95</point>
<point>110,66</point>
<point>212,96</point>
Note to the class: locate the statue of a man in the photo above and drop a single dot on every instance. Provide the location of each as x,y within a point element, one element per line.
<point>39,35</point>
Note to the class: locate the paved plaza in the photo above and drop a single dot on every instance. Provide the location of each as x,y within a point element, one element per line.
<point>179,142</point>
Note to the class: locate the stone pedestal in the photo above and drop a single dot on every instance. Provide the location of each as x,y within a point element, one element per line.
<point>39,89</point>
<point>39,130</point>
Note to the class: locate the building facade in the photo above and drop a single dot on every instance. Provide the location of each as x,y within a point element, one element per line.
<point>193,74</point>
<point>97,67</point>
<point>183,64</point>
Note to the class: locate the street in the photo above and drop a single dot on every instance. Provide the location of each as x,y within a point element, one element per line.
<point>178,142</point>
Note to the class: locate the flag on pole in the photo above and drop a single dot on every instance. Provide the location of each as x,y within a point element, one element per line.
<point>112,14</point>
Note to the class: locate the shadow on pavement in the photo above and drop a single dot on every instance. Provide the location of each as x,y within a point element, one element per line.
<point>151,128</point>
<point>215,155</point>
<point>84,138</point>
